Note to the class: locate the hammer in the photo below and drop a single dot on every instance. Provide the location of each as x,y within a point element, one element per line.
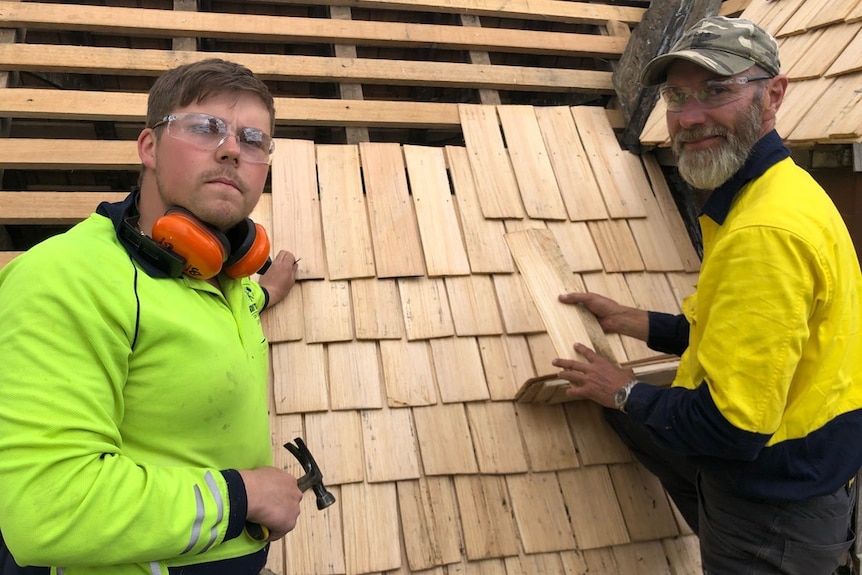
<point>313,479</point>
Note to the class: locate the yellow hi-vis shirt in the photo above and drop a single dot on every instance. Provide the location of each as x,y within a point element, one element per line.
<point>768,395</point>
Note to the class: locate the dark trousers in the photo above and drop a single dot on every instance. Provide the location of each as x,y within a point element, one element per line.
<point>250,564</point>
<point>9,567</point>
<point>746,536</point>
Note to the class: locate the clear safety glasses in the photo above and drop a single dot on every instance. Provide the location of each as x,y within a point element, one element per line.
<point>207,132</point>
<point>710,94</point>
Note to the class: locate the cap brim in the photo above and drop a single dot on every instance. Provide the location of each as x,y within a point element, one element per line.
<point>722,63</point>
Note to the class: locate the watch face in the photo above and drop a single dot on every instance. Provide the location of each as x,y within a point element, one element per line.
<point>620,397</point>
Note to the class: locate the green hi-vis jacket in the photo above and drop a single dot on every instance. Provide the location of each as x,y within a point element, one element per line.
<point>123,398</point>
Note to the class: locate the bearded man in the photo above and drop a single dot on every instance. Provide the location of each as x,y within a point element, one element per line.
<point>757,439</point>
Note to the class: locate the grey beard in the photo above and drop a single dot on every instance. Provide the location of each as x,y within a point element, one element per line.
<point>708,169</point>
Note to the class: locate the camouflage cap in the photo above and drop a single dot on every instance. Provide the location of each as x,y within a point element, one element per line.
<point>726,46</point>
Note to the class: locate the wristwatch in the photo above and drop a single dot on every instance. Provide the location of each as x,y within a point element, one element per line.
<point>622,395</point>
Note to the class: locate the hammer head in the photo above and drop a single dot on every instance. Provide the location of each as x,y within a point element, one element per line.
<point>313,478</point>
<point>324,497</point>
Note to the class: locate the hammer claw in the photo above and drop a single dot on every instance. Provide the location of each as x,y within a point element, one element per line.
<point>313,478</point>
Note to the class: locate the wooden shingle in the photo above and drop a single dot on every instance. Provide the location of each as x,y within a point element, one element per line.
<point>402,376</point>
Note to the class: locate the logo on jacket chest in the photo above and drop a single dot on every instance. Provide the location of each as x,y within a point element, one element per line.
<point>252,304</point>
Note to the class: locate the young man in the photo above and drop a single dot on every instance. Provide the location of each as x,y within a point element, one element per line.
<point>133,393</point>
<point>757,441</point>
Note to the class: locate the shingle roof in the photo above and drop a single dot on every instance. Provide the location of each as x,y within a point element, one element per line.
<point>398,355</point>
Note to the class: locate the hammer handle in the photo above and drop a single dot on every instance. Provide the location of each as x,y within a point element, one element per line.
<point>307,481</point>
<point>256,531</point>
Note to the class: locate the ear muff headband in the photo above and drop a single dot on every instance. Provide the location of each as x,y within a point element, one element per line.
<point>204,248</point>
<point>149,250</point>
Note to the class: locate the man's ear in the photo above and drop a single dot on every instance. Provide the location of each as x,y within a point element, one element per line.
<point>147,148</point>
<point>773,96</point>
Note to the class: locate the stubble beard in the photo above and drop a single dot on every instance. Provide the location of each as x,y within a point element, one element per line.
<point>219,219</point>
<point>709,168</point>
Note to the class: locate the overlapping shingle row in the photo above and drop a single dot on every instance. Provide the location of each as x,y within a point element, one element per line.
<point>399,353</point>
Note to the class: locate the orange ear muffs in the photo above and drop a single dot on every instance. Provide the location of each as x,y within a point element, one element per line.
<point>204,248</point>
<point>249,249</point>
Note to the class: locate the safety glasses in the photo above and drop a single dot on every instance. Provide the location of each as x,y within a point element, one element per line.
<point>710,94</point>
<point>207,132</point>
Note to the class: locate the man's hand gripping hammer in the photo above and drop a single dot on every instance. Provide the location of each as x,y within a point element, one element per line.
<point>313,479</point>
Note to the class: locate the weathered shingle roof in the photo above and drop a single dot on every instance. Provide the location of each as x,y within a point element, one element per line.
<point>399,354</point>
